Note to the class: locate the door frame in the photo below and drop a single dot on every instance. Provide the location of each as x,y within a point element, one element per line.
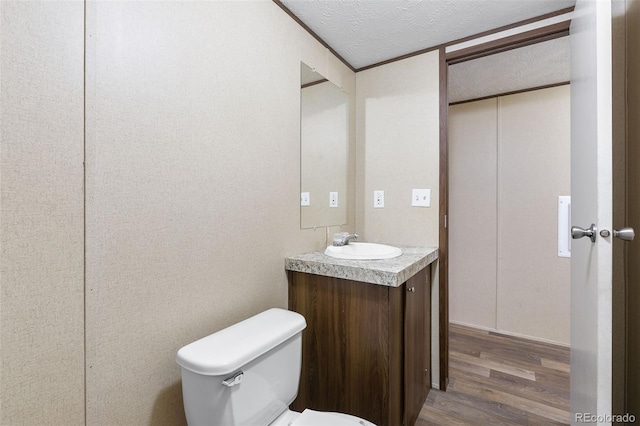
<point>632,204</point>
<point>480,50</point>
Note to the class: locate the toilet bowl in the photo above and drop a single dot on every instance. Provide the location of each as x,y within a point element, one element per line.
<point>248,374</point>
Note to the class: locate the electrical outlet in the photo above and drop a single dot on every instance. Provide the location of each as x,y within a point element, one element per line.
<point>333,199</point>
<point>305,199</point>
<point>421,198</point>
<point>378,199</point>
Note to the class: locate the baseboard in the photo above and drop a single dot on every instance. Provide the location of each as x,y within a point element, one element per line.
<point>511,334</point>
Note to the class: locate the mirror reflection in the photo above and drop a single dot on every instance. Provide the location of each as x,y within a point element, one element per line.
<point>324,147</point>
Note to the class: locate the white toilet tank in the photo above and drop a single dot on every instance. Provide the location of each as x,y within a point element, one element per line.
<point>246,374</point>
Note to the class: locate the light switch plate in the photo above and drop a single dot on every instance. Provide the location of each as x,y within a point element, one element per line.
<point>305,199</point>
<point>333,199</point>
<point>421,198</point>
<point>378,199</point>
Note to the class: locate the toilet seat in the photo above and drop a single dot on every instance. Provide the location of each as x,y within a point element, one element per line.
<point>324,418</point>
<point>318,418</point>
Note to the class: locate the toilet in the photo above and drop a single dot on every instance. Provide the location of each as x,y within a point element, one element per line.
<point>248,374</point>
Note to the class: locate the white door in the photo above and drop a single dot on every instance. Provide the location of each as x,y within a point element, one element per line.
<point>591,191</point>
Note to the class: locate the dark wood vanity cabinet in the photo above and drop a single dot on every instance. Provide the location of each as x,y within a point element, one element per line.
<point>367,347</point>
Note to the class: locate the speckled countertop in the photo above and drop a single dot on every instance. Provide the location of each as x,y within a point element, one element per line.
<point>389,272</point>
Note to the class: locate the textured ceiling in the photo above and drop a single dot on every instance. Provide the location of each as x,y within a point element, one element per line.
<point>366,32</point>
<point>536,65</point>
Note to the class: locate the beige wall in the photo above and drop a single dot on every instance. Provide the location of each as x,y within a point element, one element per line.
<point>192,194</point>
<point>192,184</point>
<point>41,214</point>
<point>397,150</point>
<point>504,270</point>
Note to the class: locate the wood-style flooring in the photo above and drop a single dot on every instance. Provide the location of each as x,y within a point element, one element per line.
<point>496,379</point>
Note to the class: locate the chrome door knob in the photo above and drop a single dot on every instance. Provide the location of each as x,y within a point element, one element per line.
<point>577,232</point>
<point>627,234</point>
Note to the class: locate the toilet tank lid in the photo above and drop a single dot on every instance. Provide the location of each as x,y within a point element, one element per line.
<point>229,349</point>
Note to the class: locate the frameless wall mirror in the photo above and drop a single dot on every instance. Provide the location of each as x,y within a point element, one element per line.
<point>324,148</point>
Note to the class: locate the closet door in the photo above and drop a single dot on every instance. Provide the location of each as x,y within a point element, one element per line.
<point>533,291</point>
<point>509,160</point>
<point>472,213</point>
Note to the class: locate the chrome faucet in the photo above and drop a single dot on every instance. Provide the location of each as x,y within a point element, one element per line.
<point>343,238</point>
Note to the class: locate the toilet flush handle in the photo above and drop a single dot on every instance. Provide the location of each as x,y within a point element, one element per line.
<point>236,379</point>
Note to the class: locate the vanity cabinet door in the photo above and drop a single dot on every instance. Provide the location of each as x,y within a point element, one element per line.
<point>352,347</point>
<point>417,344</point>
<point>366,346</point>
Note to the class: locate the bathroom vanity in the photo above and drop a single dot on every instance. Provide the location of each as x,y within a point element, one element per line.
<point>367,346</point>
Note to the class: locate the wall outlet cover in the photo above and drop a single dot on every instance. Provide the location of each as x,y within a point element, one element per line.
<point>333,199</point>
<point>305,199</point>
<point>378,199</point>
<point>421,198</point>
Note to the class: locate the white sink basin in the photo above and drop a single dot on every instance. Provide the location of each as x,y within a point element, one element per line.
<point>363,251</point>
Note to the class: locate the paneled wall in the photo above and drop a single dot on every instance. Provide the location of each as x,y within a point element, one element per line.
<point>509,162</point>
<point>191,119</point>
<point>398,150</point>
<point>41,213</point>
<point>193,171</point>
